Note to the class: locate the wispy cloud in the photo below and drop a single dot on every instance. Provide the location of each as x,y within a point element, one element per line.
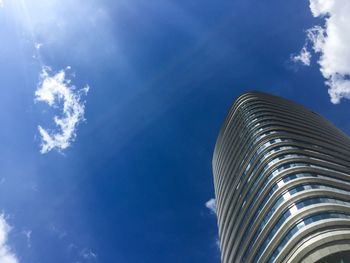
<point>28,236</point>
<point>38,45</point>
<point>331,42</point>
<point>217,243</point>
<point>1,3</point>
<point>56,90</point>
<point>211,205</point>
<point>88,254</point>
<point>303,57</point>
<point>6,255</point>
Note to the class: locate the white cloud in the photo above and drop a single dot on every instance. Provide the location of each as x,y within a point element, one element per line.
<point>28,235</point>
<point>58,232</point>
<point>303,57</point>
<point>320,7</point>
<point>211,205</point>
<point>38,46</point>
<point>217,243</point>
<point>88,254</point>
<point>6,255</point>
<point>316,37</point>
<point>54,89</point>
<point>332,42</point>
<point>1,3</point>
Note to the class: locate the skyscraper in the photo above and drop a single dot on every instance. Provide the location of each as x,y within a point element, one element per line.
<point>282,184</point>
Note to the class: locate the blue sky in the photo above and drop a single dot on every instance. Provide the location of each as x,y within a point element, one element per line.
<point>140,89</point>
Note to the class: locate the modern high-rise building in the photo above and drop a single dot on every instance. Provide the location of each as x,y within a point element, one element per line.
<point>282,184</point>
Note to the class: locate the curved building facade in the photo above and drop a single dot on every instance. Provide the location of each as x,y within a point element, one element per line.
<point>282,184</point>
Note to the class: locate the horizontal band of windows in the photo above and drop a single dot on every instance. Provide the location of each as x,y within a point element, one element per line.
<point>278,170</point>
<point>274,188</point>
<point>243,106</point>
<point>230,157</point>
<point>243,160</point>
<point>269,132</point>
<point>266,155</point>
<point>287,156</point>
<point>290,212</point>
<point>243,223</point>
<point>280,118</point>
<point>275,173</point>
<point>273,150</point>
<point>263,147</point>
<point>303,223</point>
<point>277,149</point>
<point>283,167</point>
<point>286,195</point>
<point>280,184</point>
